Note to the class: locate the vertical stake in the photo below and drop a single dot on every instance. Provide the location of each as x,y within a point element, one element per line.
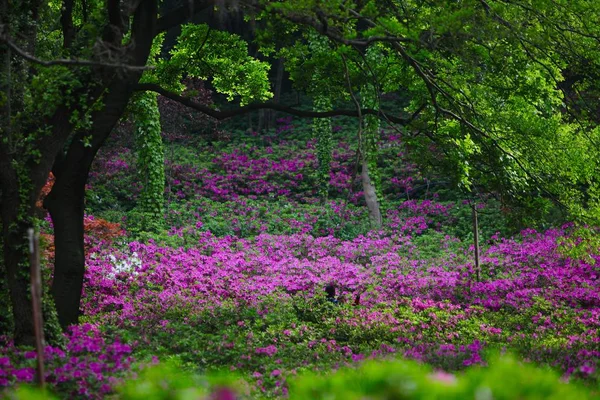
<point>476,242</point>
<point>36,301</point>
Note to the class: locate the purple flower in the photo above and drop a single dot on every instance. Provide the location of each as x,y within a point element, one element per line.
<point>24,374</point>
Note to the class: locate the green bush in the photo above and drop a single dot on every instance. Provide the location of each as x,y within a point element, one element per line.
<point>505,379</point>
<point>407,380</point>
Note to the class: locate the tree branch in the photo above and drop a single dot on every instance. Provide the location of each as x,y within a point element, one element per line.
<point>220,115</point>
<point>72,62</point>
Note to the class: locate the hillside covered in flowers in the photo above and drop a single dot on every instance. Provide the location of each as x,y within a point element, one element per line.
<point>256,275</point>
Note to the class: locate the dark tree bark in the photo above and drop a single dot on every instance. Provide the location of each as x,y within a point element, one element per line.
<point>65,202</point>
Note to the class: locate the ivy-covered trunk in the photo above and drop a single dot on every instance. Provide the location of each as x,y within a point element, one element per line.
<point>321,129</point>
<point>371,178</point>
<point>16,268</point>
<point>20,182</point>
<point>150,162</point>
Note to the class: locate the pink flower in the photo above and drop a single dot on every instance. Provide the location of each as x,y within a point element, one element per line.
<point>223,394</point>
<point>444,377</point>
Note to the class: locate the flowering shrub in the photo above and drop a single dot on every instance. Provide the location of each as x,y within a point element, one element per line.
<point>259,306</point>
<point>88,367</point>
<point>257,275</point>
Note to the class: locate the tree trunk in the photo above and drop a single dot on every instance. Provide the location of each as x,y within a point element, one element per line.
<point>66,199</point>
<point>17,276</point>
<point>15,252</point>
<point>371,197</point>
<point>277,95</point>
<point>65,204</point>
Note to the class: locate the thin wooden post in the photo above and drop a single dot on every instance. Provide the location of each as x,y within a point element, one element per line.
<point>36,300</point>
<point>476,242</point>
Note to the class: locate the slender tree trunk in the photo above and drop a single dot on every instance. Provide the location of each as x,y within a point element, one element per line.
<point>371,178</point>
<point>370,196</point>
<point>277,94</point>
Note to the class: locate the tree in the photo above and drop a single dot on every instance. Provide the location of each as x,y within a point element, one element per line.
<point>150,162</point>
<point>322,99</point>
<point>480,77</point>
<point>57,113</point>
<point>371,179</point>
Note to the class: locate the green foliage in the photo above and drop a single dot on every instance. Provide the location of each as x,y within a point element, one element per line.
<point>150,162</point>
<point>505,378</point>
<point>169,381</point>
<point>322,126</point>
<point>219,57</point>
<point>491,221</point>
<point>580,244</point>
<point>27,393</point>
<point>369,96</point>
<point>253,217</point>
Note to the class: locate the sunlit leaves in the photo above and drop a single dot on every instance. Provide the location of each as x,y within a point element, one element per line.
<point>221,58</point>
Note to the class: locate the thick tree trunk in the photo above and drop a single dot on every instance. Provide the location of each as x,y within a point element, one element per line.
<point>66,209</point>
<point>66,203</point>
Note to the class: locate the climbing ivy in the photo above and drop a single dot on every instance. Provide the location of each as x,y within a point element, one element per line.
<point>150,162</point>
<point>321,129</point>
<point>370,138</point>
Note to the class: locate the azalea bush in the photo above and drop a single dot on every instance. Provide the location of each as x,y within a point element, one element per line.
<point>87,367</point>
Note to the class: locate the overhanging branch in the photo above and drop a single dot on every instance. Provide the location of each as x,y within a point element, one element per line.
<point>220,115</point>
<point>72,62</point>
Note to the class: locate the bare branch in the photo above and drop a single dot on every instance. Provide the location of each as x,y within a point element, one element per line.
<point>72,62</point>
